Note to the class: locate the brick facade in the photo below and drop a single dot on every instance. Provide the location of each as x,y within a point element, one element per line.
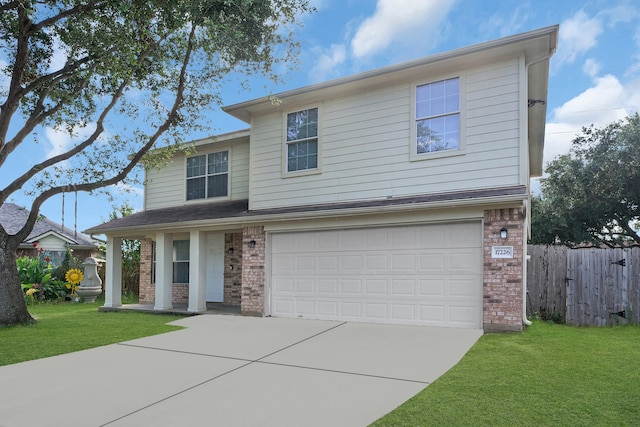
<point>232,269</point>
<point>147,292</point>
<point>253,273</point>
<point>503,278</point>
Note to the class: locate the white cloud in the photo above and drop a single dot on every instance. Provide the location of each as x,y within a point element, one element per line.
<point>578,35</point>
<point>591,67</point>
<point>328,60</point>
<point>59,141</point>
<point>399,21</point>
<point>601,104</point>
<point>608,100</point>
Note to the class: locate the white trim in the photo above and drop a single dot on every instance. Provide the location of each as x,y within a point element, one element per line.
<point>284,159</point>
<point>229,150</point>
<point>413,155</point>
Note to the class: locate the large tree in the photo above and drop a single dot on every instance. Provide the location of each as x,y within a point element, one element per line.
<point>592,194</point>
<point>120,77</point>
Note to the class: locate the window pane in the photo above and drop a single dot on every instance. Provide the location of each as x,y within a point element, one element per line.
<point>438,117</point>
<point>313,161</point>
<point>180,272</point>
<point>195,188</point>
<point>196,166</point>
<point>218,162</point>
<point>181,250</point>
<point>302,155</point>
<point>218,185</point>
<point>302,124</point>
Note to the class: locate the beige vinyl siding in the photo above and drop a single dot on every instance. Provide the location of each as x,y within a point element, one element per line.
<point>166,188</point>
<point>364,147</point>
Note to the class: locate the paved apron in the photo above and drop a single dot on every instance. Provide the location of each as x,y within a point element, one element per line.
<point>234,371</point>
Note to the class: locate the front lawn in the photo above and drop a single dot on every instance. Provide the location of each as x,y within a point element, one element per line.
<point>65,327</point>
<point>548,375</point>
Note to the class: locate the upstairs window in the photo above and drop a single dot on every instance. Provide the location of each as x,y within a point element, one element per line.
<point>302,140</point>
<point>437,117</point>
<point>208,175</point>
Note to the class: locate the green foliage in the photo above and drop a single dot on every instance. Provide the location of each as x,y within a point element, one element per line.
<point>130,254</point>
<point>549,375</point>
<point>126,81</point>
<point>592,194</point>
<point>48,283</point>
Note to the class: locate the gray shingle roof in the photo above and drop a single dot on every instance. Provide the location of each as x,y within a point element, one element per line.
<point>13,218</point>
<point>240,209</point>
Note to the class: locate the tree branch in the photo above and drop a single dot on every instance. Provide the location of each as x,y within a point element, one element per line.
<point>172,117</point>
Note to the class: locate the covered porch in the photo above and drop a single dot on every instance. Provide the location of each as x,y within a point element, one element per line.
<point>194,271</point>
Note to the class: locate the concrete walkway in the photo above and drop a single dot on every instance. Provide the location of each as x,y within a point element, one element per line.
<point>234,371</point>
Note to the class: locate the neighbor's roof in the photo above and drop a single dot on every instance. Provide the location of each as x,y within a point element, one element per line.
<point>13,218</point>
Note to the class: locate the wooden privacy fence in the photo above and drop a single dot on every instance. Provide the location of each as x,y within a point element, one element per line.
<point>586,287</point>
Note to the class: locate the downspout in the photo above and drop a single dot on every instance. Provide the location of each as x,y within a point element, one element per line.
<point>526,321</point>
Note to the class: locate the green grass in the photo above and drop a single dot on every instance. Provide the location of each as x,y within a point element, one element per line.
<point>63,328</point>
<point>549,375</point>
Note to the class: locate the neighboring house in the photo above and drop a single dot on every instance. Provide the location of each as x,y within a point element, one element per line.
<point>399,195</point>
<point>47,239</point>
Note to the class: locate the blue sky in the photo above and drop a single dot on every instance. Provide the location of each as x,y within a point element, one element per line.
<point>594,79</point>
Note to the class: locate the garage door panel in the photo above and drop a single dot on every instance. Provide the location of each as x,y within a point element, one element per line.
<point>351,287</point>
<point>405,262</point>
<point>375,311</point>
<point>403,312</point>
<point>431,287</point>
<point>376,262</point>
<point>431,262</point>
<point>424,275</point>
<point>406,287</point>
<point>375,287</point>
<point>328,287</point>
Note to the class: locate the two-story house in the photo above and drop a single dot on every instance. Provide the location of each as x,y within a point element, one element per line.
<point>398,195</point>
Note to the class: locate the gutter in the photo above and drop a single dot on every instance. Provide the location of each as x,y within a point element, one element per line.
<point>525,261</point>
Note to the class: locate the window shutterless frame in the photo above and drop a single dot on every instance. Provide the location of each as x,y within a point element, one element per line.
<point>208,176</point>
<point>301,145</point>
<point>437,118</point>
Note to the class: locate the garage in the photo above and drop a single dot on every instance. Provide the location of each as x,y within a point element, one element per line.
<point>415,275</point>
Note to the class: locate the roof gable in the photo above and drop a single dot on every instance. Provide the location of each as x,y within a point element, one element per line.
<point>13,218</point>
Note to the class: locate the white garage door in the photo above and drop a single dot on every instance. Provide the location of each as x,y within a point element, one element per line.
<point>419,275</point>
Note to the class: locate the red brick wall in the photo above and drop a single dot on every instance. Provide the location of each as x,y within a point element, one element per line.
<point>503,278</point>
<point>147,291</point>
<point>253,260</point>
<point>233,269</point>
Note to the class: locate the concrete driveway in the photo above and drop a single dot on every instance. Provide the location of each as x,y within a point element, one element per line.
<point>234,371</point>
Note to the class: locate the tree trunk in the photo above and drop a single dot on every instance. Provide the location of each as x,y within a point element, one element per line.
<point>13,308</point>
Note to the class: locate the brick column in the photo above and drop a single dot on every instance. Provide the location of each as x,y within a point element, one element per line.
<point>233,269</point>
<point>253,259</point>
<point>503,277</point>
<point>147,292</point>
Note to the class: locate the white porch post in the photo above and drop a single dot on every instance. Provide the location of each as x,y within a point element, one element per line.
<point>113,273</point>
<point>164,271</point>
<point>197,271</point>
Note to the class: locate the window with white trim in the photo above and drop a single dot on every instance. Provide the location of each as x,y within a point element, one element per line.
<point>180,261</point>
<point>437,117</point>
<point>302,140</point>
<point>208,175</point>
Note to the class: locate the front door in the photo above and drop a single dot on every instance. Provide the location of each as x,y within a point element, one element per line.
<point>215,267</point>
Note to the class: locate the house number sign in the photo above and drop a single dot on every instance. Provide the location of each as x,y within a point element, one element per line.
<point>501,251</point>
